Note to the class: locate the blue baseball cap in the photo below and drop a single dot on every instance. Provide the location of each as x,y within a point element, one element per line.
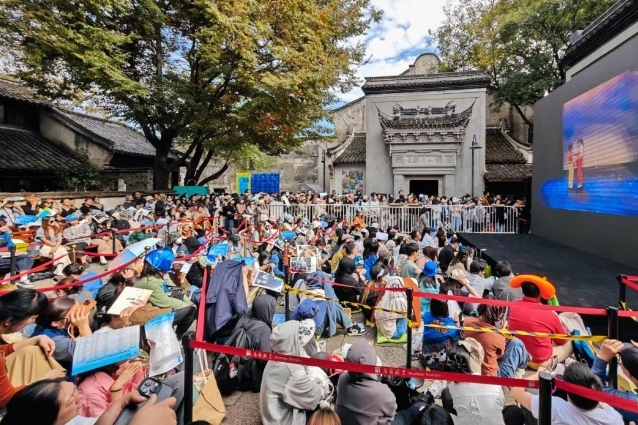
<point>70,217</point>
<point>146,223</point>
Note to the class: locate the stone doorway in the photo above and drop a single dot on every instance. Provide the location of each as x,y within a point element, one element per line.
<point>429,187</point>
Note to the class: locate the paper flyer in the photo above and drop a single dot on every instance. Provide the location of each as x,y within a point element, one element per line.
<point>268,281</point>
<point>105,348</point>
<point>220,249</point>
<point>130,298</point>
<point>303,264</point>
<point>165,351</point>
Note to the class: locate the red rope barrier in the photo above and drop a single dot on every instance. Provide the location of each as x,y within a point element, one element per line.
<point>35,269</point>
<point>363,368</point>
<point>94,254</point>
<point>615,401</point>
<point>487,301</point>
<point>628,281</point>
<point>91,279</point>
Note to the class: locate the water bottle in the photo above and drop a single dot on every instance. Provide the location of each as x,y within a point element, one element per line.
<point>232,371</point>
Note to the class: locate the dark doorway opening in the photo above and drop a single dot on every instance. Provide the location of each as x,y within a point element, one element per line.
<point>424,187</point>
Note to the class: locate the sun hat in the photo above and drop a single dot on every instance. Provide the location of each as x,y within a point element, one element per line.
<point>547,290</point>
<point>430,269</point>
<point>476,353</point>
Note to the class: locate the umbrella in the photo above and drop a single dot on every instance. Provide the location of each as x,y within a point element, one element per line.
<point>132,251</point>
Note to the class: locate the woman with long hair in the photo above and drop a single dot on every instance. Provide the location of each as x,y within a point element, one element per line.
<point>370,255</point>
<point>459,261</point>
<point>24,361</point>
<point>50,235</point>
<point>503,356</point>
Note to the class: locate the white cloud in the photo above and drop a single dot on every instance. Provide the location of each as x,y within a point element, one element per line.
<point>394,43</point>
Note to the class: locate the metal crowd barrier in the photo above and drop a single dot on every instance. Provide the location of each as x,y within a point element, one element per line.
<point>459,218</point>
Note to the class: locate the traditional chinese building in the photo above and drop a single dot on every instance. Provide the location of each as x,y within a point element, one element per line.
<point>426,132</point>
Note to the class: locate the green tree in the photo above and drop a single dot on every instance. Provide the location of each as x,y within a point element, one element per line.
<point>83,178</point>
<point>209,76</point>
<point>519,43</point>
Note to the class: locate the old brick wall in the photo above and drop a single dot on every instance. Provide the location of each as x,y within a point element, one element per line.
<point>141,180</point>
<point>295,169</point>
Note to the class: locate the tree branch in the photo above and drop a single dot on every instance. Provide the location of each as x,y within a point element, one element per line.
<point>214,176</point>
<point>202,167</point>
<point>522,114</point>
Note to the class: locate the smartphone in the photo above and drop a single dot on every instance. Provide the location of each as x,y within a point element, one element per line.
<point>147,387</point>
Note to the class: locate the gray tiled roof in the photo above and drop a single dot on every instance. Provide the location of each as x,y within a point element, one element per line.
<point>499,150</point>
<point>19,148</point>
<point>354,151</point>
<point>17,91</point>
<point>118,137</point>
<point>428,81</point>
<point>503,162</point>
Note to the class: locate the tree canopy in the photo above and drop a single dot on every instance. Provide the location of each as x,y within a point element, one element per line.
<point>519,43</point>
<point>217,77</point>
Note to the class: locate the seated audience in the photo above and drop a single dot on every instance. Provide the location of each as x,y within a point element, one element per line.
<point>58,403</point>
<point>428,283</point>
<point>545,352</point>
<point>628,354</point>
<point>503,356</point>
<point>501,287</point>
<point>81,272</point>
<point>392,325</point>
<point>50,235</point>
<point>157,263</point>
<point>76,293</point>
<point>287,390</point>
<point>576,409</point>
<point>257,328</point>
<point>437,341</point>
<point>347,274</point>
<point>56,322</point>
<point>362,399</point>
<point>28,360</point>
<point>472,403</point>
<point>102,387</point>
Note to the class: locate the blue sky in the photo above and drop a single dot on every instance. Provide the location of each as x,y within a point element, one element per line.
<point>395,42</point>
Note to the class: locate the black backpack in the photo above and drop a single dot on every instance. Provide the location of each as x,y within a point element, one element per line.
<point>229,371</point>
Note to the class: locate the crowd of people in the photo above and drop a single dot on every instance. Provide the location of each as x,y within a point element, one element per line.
<point>355,267</point>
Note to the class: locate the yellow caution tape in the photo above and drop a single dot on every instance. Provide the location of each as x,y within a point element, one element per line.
<point>623,306</point>
<point>507,333</point>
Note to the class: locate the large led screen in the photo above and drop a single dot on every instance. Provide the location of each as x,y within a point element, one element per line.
<point>600,151</point>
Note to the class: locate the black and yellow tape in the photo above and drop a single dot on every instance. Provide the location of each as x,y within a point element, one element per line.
<point>507,333</point>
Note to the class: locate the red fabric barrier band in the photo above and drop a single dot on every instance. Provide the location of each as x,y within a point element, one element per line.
<point>82,282</point>
<point>628,313</point>
<point>614,401</point>
<point>487,301</point>
<point>201,312</point>
<point>35,269</point>
<point>629,281</point>
<point>361,368</point>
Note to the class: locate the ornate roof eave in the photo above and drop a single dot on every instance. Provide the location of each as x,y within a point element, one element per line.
<point>425,122</point>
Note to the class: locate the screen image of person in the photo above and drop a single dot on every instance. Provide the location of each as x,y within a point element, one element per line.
<point>600,151</point>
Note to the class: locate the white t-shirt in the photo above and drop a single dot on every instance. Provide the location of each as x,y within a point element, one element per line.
<point>477,404</point>
<point>565,413</point>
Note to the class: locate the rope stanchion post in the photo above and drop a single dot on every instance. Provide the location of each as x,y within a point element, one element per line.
<point>74,254</point>
<point>286,281</point>
<point>113,236</point>
<point>545,398</point>
<point>622,292</point>
<point>612,333</point>
<point>12,260</point>
<point>408,360</point>
<point>188,377</point>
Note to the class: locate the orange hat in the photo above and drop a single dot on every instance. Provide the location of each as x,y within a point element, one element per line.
<point>545,286</point>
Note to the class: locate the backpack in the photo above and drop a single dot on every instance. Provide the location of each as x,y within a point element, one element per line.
<point>236,372</point>
<point>584,350</point>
